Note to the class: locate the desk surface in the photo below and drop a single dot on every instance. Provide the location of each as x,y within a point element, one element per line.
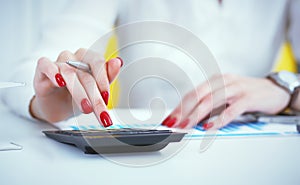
<point>261,160</point>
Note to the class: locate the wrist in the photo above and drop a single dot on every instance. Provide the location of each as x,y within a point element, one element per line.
<point>289,82</point>
<point>283,97</point>
<point>34,110</point>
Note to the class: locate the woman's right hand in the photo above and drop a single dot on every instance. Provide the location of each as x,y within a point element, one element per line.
<point>57,85</point>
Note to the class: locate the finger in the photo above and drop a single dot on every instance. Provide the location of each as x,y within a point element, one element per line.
<point>80,54</point>
<point>193,98</point>
<point>91,88</point>
<point>82,94</point>
<point>212,104</point>
<point>74,86</point>
<point>186,106</point>
<point>47,76</point>
<point>113,68</point>
<point>216,83</point>
<point>225,95</point>
<point>98,69</point>
<point>229,114</point>
<point>199,113</point>
<point>65,56</point>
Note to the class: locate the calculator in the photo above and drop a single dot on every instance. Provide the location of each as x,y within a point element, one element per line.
<point>125,140</point>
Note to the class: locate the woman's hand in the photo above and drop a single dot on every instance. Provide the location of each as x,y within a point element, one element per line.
<point>58,85</point>
<point>236,94</point>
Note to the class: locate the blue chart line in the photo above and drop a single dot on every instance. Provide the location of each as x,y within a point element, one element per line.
<point>234,129</point>
<point>74,127</point>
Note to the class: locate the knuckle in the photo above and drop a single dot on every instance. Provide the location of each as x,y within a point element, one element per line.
<point>65,56</point>
<point>98,102</point>
<point>96,57</point>
<point>40,63</point>
<point>228,77</point>
<point>97,60</point>
<point>90,56</point>
<point>44,65</point>
<point>65,68</point>
<point>65,52</point>
<point>216,76</point>
<point>80,53</point>
<point>103,85</point>
<point>88,81</point>
<point>240,86</point>
<point>99,105</point>
<point>230,113</point>
<point>41,60</point>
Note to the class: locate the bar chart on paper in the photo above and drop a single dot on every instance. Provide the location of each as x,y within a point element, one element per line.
<point>235,129</point>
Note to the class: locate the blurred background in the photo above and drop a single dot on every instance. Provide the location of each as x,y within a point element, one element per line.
<point>21,22</point>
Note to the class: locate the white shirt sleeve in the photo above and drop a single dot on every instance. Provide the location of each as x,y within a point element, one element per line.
<point>294,28</point>
<point>79,26</point>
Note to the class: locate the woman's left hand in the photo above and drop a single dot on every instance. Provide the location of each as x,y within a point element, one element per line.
<point>239,94</point>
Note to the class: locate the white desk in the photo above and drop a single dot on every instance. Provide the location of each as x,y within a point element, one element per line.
<point>262,160</point>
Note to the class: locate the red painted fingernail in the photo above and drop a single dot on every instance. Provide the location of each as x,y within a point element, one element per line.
<point>207,126</point>
<point>60,81</point>
<point>184,123</point>
<point>166,120</point>
<point>105,119</point>
<point>86,106</point>
<point>169,122</point>
<point>172,121</point>
<point>105,96</point>
<point>120,60</point>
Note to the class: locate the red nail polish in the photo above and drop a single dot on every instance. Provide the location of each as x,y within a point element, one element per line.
<point>105,96</point>
<point>60,81</point>
<point>184,123</point>
<point>86,106</point>
<point>120,60</point>
<point>166,120</point>
<point>169,122</point>
<point>207,126</point>
<point>105,119</point>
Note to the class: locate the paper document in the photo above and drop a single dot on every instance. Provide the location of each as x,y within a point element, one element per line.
<point>234,129</point>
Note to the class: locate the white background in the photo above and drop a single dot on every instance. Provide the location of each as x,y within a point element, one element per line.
<point>21,22</point>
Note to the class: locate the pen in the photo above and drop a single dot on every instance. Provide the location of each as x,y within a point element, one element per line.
<point>79,65</point>
<point>11,84</point>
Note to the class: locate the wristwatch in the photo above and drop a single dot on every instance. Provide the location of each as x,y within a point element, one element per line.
<point>289,82</point>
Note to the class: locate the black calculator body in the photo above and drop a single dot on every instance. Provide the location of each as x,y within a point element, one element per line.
<point>116,140</point>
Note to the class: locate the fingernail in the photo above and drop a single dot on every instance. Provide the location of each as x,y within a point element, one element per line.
<point>166,120</point>
<point>184,123</point>
<point>60,81</point>
<point>207,126</point>
<point>120,60</point>
<point>86,106</point>
<point>105,119</point>
<point>169,122</point>
<point>105,96</point>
